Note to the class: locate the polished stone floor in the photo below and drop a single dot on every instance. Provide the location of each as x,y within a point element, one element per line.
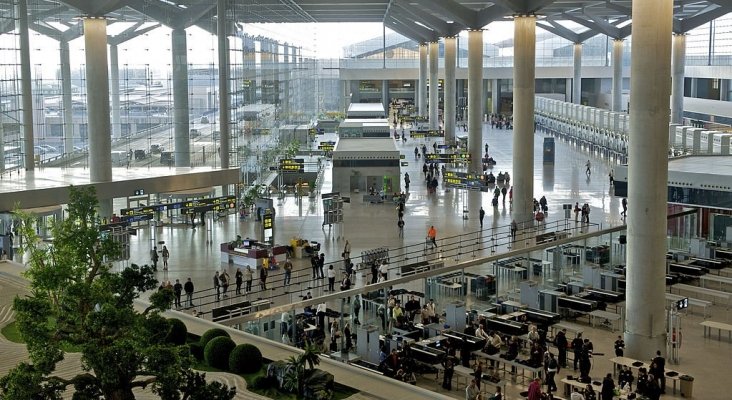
<point>195,252</point>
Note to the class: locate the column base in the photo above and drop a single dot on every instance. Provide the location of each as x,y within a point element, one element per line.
<point>641,347</point>
<point>105,208</point>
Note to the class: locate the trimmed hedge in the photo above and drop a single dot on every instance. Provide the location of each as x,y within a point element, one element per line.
<point>264,382</point>
<point>217,351</point>
<point>212,333</point>
<point>196,350</point>
<point>177,332</point>
<point>245,359</point>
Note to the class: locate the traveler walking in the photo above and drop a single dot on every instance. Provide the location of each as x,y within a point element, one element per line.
<point>331,279</point>
<point>514,228</point>
<point>432,236</point>
<point>624,203</point>
<point>224,278</point>
<point>321,263</point>
<point>154,257</point>
<point>481,215</point>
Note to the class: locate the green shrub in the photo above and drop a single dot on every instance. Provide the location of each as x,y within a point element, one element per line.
<point>212,333</point>
<point>196,350</point>
<point>177,332</point>
<point>264,382</point>
<point>245,359</point>
<point>216,353</point>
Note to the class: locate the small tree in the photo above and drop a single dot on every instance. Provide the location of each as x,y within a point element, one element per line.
<point>77,300</point>
<point>294,378</point>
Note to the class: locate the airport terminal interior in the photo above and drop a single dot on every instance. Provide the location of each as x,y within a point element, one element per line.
<point>490,167</point>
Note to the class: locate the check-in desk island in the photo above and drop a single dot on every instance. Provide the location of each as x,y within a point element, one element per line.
<point>250,253</point>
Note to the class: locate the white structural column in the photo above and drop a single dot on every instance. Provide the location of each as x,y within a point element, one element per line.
<point>618,75</point>
<point>385,96</point>
<point>223,49</point>
<point>66,99</point>
<point>422,89</point>
<point>496,96</point>
<point>25,85</point>
<point>678,64</point>
<point>577,80</point>
<point>475,99</point>
<point>181,122</point>
<point>114,89</point>
<point>97,83</point>
<point>523,117</point>
<point>449,88</point>
<point>434,87</point>
<point>647,178</point>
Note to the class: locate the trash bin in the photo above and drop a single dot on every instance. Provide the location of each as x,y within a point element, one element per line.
<point>687,385</point>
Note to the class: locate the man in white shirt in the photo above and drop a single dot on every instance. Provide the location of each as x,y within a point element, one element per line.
<point>481,333</point>
<point>383,271</point>
<point>576,395</point>
<point>471,392</point>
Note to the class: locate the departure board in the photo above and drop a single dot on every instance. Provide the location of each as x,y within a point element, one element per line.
<point>292,165</point>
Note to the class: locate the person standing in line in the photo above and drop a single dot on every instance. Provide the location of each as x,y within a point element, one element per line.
<point>608,388</point>
<point>383,271</point>
<point>481,215</point>
<point>660,372</point>
<point>263,272</point>
<point>166,255</point>
<point>374,273</point>
<point>432,236</point>
<point>321,264</point>
<point>188,288</point>
<point>154,257</point>
<point>551,370</point>
<point>346,250</point>
<point>432,311</point>
<point>314,264</point>
<point>217,285</point>
<point>577,345</point>
<point>331,279</point>
<point>356,309</point>
<point>577,210</point>
<point>177,290</point>
<point>288,271</point>
<point>619,347</point>
<point>249,276</point>
<point>560,340</point>
<point>239,277</point>
<point>514,228</point>
<point>224,277</point>
<point>400,227</point>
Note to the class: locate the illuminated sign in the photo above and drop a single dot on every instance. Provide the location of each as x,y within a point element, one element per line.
<point>292,165</point>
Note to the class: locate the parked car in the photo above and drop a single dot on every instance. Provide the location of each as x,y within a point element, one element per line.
<point>156,148</point>
<point>167,158</point>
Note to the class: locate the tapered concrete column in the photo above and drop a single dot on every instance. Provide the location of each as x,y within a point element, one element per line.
<point>449,91</point>
<point>434,87</point>
<point>496,96</point>
<point>475,99</point>
<point>97,95</point>
<point>66,99</point>
<point>385,96</point>
<point>422,89</point>
<point>181,123</point>
<point>25,85</point>
<point>678,64</point>
<point>114,90</point>
<point>524,57</point>
<point>223,49</point>
<point>618,75</point>
<point>577,80</point>
<point>648,173</point>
